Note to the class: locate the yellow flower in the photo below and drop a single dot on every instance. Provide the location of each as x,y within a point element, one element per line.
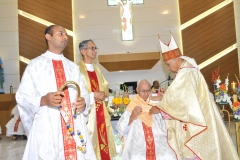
<point>234,108</point>
<point>126,100</point>
<point>118,100</point>
<point>217,93</point>
<point>114,100</point>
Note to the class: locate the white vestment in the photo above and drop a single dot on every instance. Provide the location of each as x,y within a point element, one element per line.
<point>11,124</point>
<point>134,139</point>
<point>43,124</point>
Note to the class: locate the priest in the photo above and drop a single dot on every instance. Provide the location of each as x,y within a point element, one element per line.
<point>195,128</point>
<point>99,123</point>
<point>155,86</point>
<point>145,135</point>
<point>54,119</point>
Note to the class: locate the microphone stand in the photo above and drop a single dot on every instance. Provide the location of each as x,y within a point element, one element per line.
<point>169,79</point>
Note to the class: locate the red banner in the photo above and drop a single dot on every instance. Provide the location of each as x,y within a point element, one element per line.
<point>16,124</point>
<point>101,125</point>
<point>150,145</point>
<point>70,151</point>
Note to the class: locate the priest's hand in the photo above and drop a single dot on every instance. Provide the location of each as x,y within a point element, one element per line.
<point>52,99</point>
<point>161,91</point>
<point>156,98</point>
<point>135,113</point>
<point>99,96</point>
<point>80,104</point>
<point>154,110</point>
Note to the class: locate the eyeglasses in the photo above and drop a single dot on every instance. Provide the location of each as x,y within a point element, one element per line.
<point>145,91</point>
<point>93,48</point>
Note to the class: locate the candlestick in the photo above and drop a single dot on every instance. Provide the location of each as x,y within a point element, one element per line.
<point>234,98</point>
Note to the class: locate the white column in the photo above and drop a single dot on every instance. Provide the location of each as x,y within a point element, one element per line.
<point>9,43</point>
<point>237,26</point>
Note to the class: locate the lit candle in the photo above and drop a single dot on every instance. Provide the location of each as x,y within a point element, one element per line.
<point>234,98</point>
<point>233,84</point>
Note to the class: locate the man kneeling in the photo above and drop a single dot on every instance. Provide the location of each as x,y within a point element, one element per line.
<point>144,134</point>
<point>14,126</point>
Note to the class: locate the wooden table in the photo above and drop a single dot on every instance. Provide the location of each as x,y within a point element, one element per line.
<point>7,103</point>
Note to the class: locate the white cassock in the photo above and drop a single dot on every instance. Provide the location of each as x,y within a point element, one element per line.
<point>11,124</point>
<point>134,139</point>
<point>43,124</point>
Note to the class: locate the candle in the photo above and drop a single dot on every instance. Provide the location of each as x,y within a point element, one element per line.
<point>234,98</point>
<point>233,84</point>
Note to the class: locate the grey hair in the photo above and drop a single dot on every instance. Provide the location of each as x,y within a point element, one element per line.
<point>83,44</point>
<point>143,80</point>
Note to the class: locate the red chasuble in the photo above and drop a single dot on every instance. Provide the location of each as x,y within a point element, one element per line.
<point>101,125</point>
<point>70,151</point>
<point>150,146</point>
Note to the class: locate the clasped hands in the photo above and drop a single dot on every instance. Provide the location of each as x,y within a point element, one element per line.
<point>99,96</point>
<point>154,110</point>
<point>55,99</point>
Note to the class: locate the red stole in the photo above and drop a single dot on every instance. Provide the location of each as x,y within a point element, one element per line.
<point>150,146</point>
<point>101,125</point>
<point>16,124</point>
<point>70,151</point>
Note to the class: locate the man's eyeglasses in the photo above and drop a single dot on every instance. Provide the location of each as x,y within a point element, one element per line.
<point>146,91</point>
<point>93,48</point>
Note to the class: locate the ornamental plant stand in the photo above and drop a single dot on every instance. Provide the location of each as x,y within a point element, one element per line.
<point>237,130</point>
<point>222,110</point>
<point>237,125</point>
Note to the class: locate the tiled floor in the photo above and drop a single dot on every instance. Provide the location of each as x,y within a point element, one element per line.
<point>13,149</point>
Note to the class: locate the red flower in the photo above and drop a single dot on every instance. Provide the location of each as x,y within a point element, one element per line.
<point>223,87</point>
<point>235,104</point>
<point>215,74</point>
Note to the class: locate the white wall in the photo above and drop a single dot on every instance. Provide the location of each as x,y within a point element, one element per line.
<point>95,20</point>
<point>101,23</point>
<point>9,50</point>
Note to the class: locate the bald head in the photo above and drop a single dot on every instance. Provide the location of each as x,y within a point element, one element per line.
<point>144,89</point>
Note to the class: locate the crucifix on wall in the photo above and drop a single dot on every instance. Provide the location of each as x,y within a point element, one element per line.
<point>126,16</point>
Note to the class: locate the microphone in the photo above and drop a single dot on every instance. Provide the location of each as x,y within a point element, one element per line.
<point>169,78</point>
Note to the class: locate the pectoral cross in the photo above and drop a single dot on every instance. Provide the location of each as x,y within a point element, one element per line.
<point>126,16</point>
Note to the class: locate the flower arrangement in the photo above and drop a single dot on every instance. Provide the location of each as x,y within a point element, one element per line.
<point>220,90</point>
<point>237,89</point>
<point>120,101</point>
<point>236,110</point>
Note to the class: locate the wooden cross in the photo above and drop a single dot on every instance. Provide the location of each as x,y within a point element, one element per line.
<point>126,16</point>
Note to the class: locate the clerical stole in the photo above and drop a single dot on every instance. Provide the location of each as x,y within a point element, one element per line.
<point>16,124</point>
<point>69,144</point>
<point>101,125</point>
<point>150,146</point>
